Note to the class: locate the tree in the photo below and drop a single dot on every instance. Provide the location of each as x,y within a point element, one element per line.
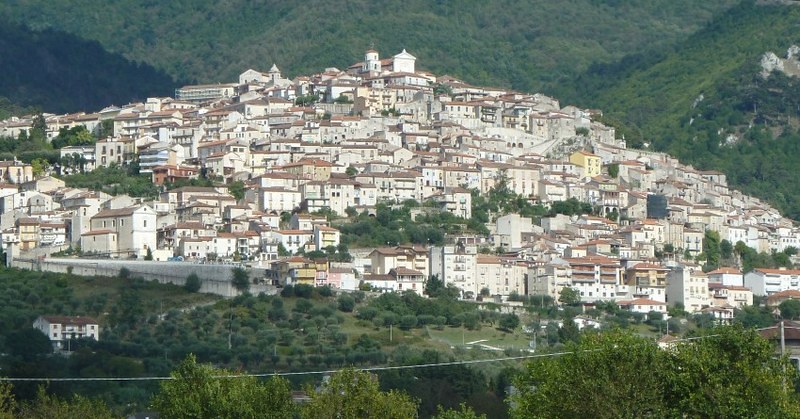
<point>39,167</point>
<point>711,249</point>
<point>148,255</point>
<point>240,279</point>
<point>726,249</point>
<point>7,401</point>
<point>46,406</point>
<point>569,296</point>
<point>236,189</point>
<point>509,322</point>
<point>435,288</point>
<point>408,322</point>
<point>282,251</point>
<point>351,171</point>
<point>28,344</point>
<point>201,391</point>
<point>192,283</point>
<point>356,394</point>
<point>600,378</point>
<point>613,170</point>
<point>463,412</point>
<point>732,372</point>
<point>569,332</point>
<point>346,303</point>
<point>753,316</point>
<point>790,309</point>
<point>38,128</point>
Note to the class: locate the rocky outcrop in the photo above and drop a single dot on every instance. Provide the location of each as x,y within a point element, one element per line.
<point>770,62</point>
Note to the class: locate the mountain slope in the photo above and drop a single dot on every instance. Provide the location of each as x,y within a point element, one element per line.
<point>59,72</point>
<point>697,101</point>
<point>526,45</point>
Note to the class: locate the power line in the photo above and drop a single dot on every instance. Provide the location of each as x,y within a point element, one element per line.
<point>319,372</point>
<point>297,373</point>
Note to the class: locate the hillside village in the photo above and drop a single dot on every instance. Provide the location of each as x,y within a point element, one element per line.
<point>382,132</point>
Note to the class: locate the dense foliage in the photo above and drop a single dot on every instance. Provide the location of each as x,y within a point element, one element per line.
<point>393,224</point>
<point>705,102</point>
<point>148,329</point>
<point>516,44</point>
<point>730,373</point>
<point>115,180</point>
<point>59,72</point>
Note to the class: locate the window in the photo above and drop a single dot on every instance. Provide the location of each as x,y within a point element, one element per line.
<point>145,223</point>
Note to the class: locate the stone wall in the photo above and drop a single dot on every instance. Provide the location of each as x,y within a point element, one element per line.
<point>215,278</point>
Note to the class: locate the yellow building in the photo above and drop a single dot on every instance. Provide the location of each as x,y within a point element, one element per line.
<point>313,169</point>
<point>16,172</point>
<point>28,229</point>
<point>297,270</point>
<point>589,162</point>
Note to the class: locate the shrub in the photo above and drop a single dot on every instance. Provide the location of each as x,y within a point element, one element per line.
<point>346,303</point>
<point>192,283</point>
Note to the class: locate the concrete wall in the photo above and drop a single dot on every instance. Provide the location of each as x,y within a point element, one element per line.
<point>215,279</point>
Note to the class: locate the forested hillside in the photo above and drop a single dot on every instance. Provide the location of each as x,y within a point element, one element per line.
<point>705,102</point>
<point>59,72</point>
<point>528,45</point>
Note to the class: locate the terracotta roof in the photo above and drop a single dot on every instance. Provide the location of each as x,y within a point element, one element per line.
<point>649,266</point>
<point>98,232</point>
<point>641,302</point>
<point>116,212</point>
<point>71,320</point>
<point>725,270</point>
<point>778,271</point>
<point>406,271</point>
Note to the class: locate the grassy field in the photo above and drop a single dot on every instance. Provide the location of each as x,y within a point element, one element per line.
<point>487,338</point>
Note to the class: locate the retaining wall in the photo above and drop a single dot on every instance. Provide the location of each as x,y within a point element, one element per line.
<point>215,279</point>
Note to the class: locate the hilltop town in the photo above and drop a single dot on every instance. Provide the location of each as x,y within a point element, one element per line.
<point>295,163</point>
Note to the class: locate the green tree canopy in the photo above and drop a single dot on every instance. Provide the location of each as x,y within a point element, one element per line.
<point>569,296</point>
<point>201,391</point>
<point>354,394</point>
<point>241,279</point>
<point>790,309</point>
<point>730,373</point>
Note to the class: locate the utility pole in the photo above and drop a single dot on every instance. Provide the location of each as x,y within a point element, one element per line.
<point>783,352</point>
<point>783,340</point>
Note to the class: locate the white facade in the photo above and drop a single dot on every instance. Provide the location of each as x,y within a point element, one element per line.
<point>60,329</point>
<point>135,228</point>
<point>455,265</point>
<point>688,287</point>
<point>764,281</point>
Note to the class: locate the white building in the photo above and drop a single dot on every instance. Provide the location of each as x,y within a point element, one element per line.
<point>643,306</point>
<point>60,329</point>
<point>764,281</point>
<point>133,229</point>
<point>726,276</point>
<point>688,287</point>
<point>455,265</point>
